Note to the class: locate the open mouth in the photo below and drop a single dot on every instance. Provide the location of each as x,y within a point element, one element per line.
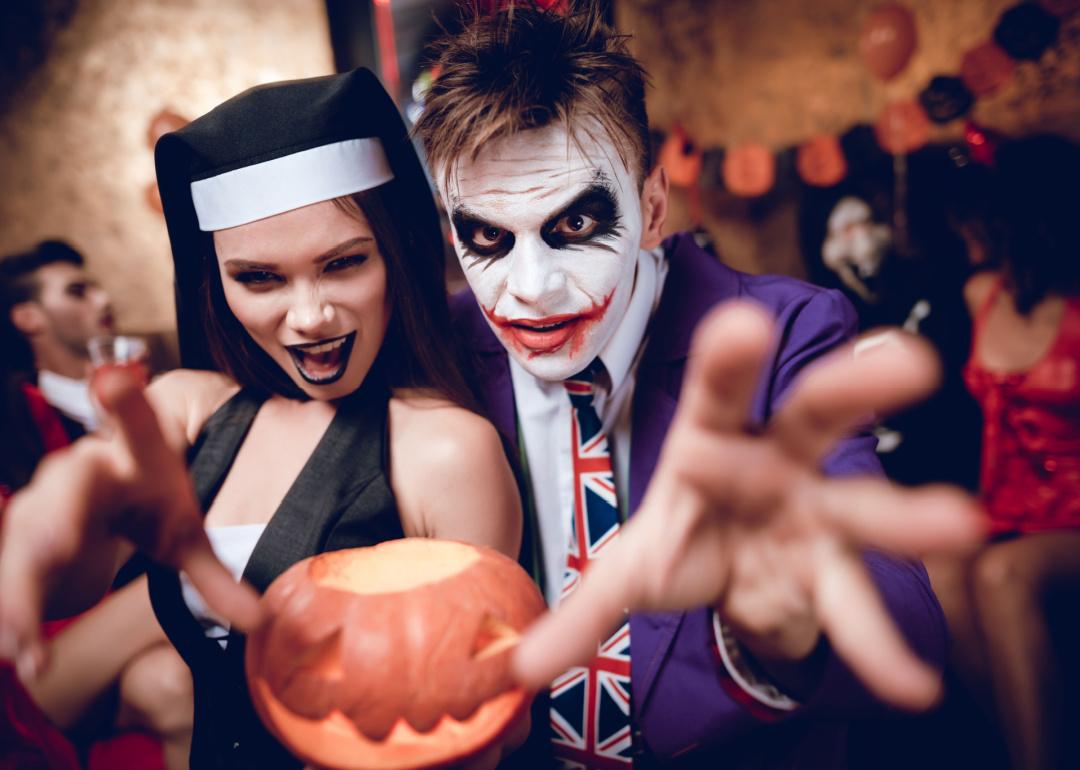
<point>541,336</point>
<point>323,362</point>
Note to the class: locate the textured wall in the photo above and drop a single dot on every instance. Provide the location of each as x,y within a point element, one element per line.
<point>73,149</point>
<point>778,71</point>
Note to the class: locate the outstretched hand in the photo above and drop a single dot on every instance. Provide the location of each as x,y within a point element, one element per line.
<point>743,520</point>
<point>132,486</point>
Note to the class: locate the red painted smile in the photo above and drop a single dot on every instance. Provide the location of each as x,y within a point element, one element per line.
<point>540,336</point>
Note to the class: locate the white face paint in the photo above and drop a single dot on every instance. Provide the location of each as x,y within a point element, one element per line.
<point>547,231</point>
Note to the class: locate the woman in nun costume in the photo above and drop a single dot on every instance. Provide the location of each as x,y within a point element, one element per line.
<point>320,407</point>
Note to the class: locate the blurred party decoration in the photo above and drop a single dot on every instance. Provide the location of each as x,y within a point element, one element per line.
<point>820,161</point>
<point>902,128</point>
<point>986,68</point>
<point>389,73</point>
<point>749,170</point>
<point>165,121</point>
<point>888,40</point>
<point>981,144</point>
<point>152,196</point>
<point>946,98</point>
<point>394,656</point>
<point>1025,31</point>
<point>681,158</point>
<point>855,246</point>
<point>1060,8</point>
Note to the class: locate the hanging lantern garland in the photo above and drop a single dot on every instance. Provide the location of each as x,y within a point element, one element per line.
<point>887,42</point>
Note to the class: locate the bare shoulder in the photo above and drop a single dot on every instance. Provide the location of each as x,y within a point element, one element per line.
<point>978,288</point>
<point>450,475</point>
<point>437,432</point>
<point>184,399</point>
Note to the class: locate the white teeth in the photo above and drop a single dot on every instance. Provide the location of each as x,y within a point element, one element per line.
<point>326,347</point>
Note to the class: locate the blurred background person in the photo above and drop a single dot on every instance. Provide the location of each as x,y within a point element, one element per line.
<point>1024,369</point>
<point>57,307</point>
<point>119,696</point>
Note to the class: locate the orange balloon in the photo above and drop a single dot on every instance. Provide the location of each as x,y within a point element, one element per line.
<point>887,40</point>
<point>680,158</point>
<point>986,68</point>
<point>820,161</point>
<point>749,170</point>
<point>903,127</point>
<point>164,122</point>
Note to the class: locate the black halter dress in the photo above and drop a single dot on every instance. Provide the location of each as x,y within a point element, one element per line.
<point>341,499</point>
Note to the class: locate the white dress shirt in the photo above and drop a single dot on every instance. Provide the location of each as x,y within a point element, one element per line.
<point>544,414</point>
<point>69,396</point>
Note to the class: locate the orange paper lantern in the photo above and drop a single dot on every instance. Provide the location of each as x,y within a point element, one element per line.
<point>887,40</point>
<point>392,657</point>
<point>749,170</point>
<point>680,158</point>
<point>820,161</point>
<point>986,68</point>
<point>902,128</point>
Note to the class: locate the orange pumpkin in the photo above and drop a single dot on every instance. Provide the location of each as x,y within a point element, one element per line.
<point>392,657</point>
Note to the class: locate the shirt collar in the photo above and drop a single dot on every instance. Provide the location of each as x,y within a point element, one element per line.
<point>70,396</point>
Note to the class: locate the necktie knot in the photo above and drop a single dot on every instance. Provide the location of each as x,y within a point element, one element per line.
<point>582,386</point>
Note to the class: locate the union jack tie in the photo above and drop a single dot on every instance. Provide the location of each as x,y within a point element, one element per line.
<point>590,705</point>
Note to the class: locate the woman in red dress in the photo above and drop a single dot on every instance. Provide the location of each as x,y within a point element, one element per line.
<point>1024,370</point>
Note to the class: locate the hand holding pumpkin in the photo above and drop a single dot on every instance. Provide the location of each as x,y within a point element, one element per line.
<point>744,521</point>
<point>395,656</point>
<point>62,533</point>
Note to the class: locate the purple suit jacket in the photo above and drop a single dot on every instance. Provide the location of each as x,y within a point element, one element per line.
<point>679,704</point>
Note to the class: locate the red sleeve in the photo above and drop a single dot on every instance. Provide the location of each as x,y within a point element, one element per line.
<point>53,435</point>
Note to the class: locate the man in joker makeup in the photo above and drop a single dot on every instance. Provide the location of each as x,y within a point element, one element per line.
<point>743,569</point>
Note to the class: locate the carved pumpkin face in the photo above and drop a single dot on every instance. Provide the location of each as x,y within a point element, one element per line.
<point>395,656</point>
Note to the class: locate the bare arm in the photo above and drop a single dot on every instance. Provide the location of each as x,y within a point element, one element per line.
<point>451,477</point>
<point>89,655</point>
<point>63,534</point>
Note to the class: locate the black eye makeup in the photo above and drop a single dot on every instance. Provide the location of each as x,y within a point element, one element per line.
<point>344,263</point>
<point>590,218</point>
<point>481,239</point>
<point>256,280</point>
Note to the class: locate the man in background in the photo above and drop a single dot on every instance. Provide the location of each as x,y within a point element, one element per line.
<point>57,307</point>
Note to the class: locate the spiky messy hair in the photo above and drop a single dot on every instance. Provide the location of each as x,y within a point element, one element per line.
<point>524,67</point>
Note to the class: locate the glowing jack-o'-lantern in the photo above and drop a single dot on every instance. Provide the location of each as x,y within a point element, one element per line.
<point>395,656</point>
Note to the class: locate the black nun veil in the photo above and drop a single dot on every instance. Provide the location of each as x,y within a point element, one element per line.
<point>265,129</point>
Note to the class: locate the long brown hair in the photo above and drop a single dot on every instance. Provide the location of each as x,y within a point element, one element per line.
<point>418,351</point>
